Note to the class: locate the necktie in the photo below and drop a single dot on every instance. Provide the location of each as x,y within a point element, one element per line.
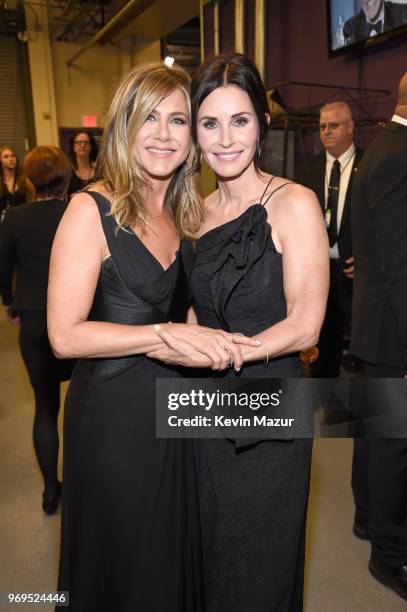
<point>375,28</point>
<point>332,203</point>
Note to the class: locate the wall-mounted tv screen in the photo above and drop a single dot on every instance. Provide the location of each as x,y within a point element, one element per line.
<point>361,22</point>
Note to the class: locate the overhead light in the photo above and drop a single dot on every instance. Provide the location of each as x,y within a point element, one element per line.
<point>169,61</point>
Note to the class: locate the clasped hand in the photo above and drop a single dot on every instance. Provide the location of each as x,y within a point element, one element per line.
<point>200,347</point>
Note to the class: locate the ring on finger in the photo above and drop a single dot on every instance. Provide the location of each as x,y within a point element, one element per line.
<point>230,362</point>
<point>234,334</point>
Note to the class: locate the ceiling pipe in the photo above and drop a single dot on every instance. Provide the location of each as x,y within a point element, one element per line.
<point>118,22</point>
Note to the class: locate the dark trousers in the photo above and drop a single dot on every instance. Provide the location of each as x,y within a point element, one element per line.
<point>336,322</point>
<point>379,483</point>
<point>46,373</point>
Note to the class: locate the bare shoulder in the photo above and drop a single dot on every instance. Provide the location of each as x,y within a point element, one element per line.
<point>83,204</point>
<point>81,223</point>
<point>292,200</point>
<point>293,213</point>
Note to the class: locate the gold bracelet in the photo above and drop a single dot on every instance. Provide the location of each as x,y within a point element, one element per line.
<point>266,359</point>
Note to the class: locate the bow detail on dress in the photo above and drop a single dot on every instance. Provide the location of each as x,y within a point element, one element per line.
<point>232,252</point>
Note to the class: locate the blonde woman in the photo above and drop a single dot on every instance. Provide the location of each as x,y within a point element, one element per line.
<point>130,538</point>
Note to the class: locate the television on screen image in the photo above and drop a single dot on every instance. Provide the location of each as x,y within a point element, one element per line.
<point>364,22</point>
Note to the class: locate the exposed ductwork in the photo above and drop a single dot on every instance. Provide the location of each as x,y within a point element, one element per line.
<point>117,23</point>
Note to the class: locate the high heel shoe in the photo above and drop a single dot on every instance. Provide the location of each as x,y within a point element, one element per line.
<point>50,504</point>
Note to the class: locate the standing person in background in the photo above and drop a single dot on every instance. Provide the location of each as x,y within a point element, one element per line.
<point>26,237</point>
<point>379,337</point>
<point>330,175</point>
<point>83,151</point>
<point>12,184</point>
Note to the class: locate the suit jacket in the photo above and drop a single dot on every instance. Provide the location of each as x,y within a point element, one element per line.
<point>312,175</point>
<point>357,28</point>
<point>26,237</point>
<point>379,227</point>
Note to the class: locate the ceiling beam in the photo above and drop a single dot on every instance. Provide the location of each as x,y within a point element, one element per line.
<point>119,21</point>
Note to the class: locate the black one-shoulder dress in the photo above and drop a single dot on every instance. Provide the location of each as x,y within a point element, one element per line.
<point>130,526</point>
<point>253,498</point>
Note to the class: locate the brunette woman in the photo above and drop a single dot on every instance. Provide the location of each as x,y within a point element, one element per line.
<point>261,268</point>
<point>83,151</point>
<point>13,189</point>
<point>26,237</point>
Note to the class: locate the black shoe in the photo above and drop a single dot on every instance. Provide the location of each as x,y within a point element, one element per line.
<point>393,577</point>
<point>360,529</point>
<point>50,504</point>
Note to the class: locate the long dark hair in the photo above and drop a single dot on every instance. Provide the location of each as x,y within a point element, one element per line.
<point>19,179</point>
<point>94,151</point>
<point>231,69</point>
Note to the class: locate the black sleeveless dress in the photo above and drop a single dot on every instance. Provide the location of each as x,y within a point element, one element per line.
<point>130,526</point>
<point>253,498</point>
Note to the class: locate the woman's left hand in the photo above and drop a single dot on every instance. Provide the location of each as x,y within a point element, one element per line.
<point>186,345</point>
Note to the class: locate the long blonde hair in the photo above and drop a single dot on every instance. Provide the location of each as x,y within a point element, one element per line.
<point>139,93</point>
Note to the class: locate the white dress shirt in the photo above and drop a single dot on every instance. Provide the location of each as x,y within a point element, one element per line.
<point>346,165</point>
<point>380,19</point>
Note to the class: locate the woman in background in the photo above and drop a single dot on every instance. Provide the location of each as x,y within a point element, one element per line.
<point>26,237</point>
<point>83,151</point>
<point>12,184</point>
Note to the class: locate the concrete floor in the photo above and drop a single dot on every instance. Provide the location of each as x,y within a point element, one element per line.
<point>337,578</point>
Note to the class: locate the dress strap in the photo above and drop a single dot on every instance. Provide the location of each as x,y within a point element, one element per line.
<point>103,203</point>
<point>108,223</point>
<point>273,192</point>
<point>267,186</point>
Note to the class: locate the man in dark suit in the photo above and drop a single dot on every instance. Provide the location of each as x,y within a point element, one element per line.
<point>379,337</point>
<point>330,175</point>
<point>375,17</point>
